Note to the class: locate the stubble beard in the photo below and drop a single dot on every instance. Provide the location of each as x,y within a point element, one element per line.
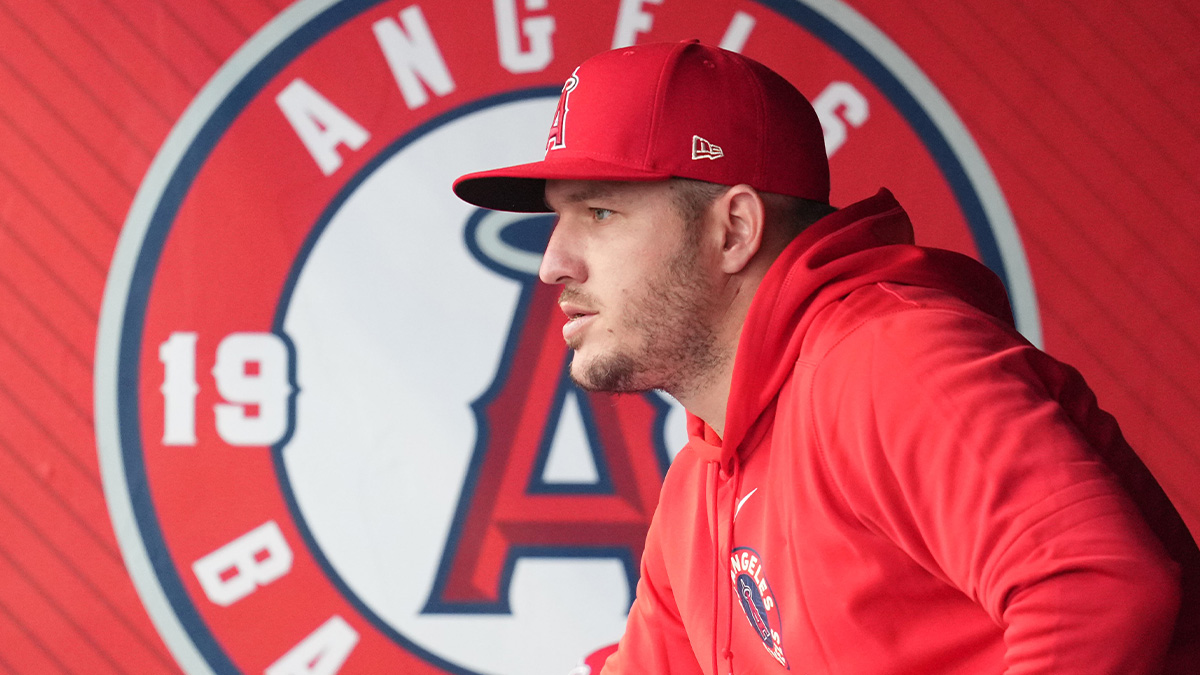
<point>678,350</point>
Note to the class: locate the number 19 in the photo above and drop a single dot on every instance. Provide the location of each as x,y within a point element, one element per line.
<point>251,374</point>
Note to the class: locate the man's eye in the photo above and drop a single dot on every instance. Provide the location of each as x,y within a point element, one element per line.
<point>601,214</point>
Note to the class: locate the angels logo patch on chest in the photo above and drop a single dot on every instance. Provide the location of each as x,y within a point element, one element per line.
<point>334,423</point>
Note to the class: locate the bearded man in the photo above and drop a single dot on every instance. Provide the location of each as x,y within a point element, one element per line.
<point>882,475</point>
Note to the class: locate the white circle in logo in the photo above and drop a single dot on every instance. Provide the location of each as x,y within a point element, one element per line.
<point>398,330</point>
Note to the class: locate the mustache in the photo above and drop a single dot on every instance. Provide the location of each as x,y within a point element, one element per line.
<point>577,297</point>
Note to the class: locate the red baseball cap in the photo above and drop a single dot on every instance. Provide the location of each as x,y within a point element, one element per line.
<point>658,111</point>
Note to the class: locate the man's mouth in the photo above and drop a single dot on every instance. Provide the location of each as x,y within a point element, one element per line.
<point>579,312</point>
<point>577,321</point>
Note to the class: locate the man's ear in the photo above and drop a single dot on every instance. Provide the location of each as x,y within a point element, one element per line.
<point>742,216</point>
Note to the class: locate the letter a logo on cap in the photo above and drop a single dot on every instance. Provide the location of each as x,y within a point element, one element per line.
<point>558,139</point>
<point>703,149</point>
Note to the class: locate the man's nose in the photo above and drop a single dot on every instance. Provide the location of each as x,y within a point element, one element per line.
<point>560,262</point>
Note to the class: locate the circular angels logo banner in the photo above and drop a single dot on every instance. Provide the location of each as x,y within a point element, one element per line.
<point>335,426</point>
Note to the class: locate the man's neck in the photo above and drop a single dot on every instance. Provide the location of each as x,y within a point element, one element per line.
<point>709,402</point>
<point>709,399</point>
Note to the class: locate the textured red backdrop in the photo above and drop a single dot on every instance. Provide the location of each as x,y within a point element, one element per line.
<point>1085,110</point>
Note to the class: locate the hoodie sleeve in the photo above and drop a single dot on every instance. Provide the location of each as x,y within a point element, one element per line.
<point>655,640</point>
<point>944,434</point>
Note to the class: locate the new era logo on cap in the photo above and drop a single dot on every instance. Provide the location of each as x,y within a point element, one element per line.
<point>704,149</point>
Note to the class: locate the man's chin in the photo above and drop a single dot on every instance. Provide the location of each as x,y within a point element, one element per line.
<point>612,373</point>
<point>581,376</point>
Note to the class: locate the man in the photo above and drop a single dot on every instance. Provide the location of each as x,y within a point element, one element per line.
<point>881,476</point>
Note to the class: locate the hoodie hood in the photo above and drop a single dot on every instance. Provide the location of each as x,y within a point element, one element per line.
<point>865,243</point>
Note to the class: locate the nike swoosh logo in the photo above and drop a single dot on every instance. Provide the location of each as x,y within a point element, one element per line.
<point>743,501</point>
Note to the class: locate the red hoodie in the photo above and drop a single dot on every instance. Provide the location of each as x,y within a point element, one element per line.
<point>905,485</point>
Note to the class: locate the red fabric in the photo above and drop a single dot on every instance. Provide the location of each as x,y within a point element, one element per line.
<point>916,489</point>
<point>659,110</point>
<point>594,661</point>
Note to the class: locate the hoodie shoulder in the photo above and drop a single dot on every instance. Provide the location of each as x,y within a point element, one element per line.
<point>838,320</point>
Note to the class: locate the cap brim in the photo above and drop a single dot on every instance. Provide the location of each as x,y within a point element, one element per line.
<point>522,188</point>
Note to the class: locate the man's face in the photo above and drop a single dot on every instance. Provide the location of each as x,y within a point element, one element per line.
<point>637,286</point>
